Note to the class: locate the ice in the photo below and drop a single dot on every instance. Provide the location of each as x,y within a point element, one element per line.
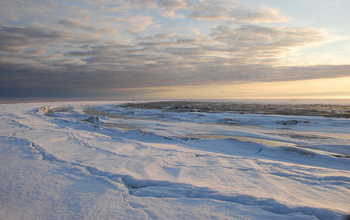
<point>100,160</point>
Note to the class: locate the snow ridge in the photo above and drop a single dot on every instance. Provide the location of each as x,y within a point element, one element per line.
<point>166,189</point>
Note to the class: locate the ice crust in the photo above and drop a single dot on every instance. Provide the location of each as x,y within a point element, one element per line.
<point>57,162</point>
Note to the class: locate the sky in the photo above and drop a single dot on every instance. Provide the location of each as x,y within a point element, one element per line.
<point>199,49</point>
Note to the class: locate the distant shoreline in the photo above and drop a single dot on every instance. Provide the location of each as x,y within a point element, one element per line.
<point>243,101</point>
<point>303,109</point>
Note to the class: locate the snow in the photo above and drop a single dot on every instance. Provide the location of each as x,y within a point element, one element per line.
<point>98,160</point>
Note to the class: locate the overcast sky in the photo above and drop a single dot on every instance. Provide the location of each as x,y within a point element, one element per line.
<point>116,49</point>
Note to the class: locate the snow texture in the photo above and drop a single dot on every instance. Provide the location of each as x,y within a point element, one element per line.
<point>100,160</point>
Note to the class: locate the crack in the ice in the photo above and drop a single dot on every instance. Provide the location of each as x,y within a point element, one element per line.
<point>91,170</point>
<point>100,149</point>
<point>315,180</point>
<point>166,189</point>
<point>135,208</point>
<point>18,124</point>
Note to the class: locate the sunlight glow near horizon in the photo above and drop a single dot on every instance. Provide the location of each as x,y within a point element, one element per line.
<point>301,89</point>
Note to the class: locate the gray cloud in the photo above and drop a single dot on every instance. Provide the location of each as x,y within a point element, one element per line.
<point>75,24</point>
<point>32,32</point>
<point>70,79</point>
<point>16,38</point>
<point>71,23</point>
<point>68,54</point>
<point>174,4</point>
<point>257,42</point>
<point>225,46</point>
<point>165,4</point>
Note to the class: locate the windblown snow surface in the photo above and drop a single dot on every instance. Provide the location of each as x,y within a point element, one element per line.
<point>100,160</point>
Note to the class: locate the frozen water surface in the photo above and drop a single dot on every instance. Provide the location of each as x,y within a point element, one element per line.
<point>174,160</point>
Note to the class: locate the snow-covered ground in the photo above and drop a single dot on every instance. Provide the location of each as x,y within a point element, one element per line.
<point>97,160</point>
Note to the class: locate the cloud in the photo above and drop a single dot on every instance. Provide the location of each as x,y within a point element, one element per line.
<point>88,46</point>
<point>33,32</point>
<point>103,2</point>
<point>162,37</point>
<point>144,3</point>
<point>112,21</point>
<point>121,8</point>
<point>170,14</point>
<point>17,11</point>
<point>132,24</point>
<point>138,23</point>
<point>165,8</point>
<point>89,80</point>
<point>16,38</point>
<point>108,31</point>
<point>71,23</point>
<point>212,10</point>
<point>173,5</point>
<point>257,42</point>
<point>36,52</point>
<point>243,44</point>
<point>224,49</point>
<point>204,10</point>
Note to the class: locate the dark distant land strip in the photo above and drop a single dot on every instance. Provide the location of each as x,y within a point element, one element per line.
<point>326,110</point>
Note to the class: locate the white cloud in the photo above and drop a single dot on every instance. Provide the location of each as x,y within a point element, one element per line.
<point>212,10</point>
<point>106,31</point>
<point>170,14</point>
<point>196,31</point>
<point>119,8</point>
<point>138,23</point>
<point>253,41</point>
